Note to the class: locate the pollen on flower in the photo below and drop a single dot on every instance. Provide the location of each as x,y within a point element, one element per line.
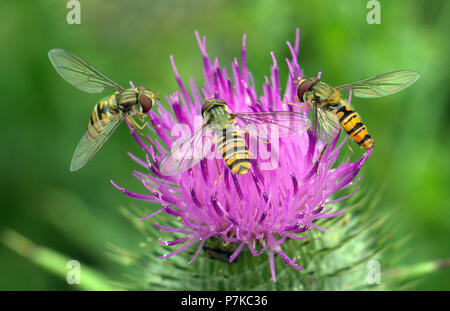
<point>259,210</point>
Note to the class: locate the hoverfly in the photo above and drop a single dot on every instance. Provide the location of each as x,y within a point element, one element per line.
<point>331,112</point>
<point>228,137</point>
<point>109,112</point>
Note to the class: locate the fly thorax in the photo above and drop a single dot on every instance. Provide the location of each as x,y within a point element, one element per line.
<point>325,105</point>
<point>334,100</point>
<point>128,102</point>
<point>127,98</point>
<point>130,108</point>
<point>219,115</point>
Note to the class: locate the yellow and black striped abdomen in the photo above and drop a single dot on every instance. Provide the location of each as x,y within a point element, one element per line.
<point>103,111</point>
<point>354,127</point>
<point>234,151</point>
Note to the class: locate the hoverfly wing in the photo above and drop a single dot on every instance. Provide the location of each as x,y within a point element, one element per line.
<point>79,73</point>
<point>325,125</point>
<point>382,85</point>
<point>187,151</point>
<point>287,123</point>
<point>90,144</point>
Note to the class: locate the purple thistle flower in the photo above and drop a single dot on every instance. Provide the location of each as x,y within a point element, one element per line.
<point>263,208</point>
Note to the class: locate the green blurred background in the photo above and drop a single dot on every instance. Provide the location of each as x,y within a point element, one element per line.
<point>43,117</point>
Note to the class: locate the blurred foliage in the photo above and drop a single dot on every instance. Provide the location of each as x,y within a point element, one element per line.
<point>44,117</point>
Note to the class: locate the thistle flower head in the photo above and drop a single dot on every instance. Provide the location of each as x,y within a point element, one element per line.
<point>263,208</point>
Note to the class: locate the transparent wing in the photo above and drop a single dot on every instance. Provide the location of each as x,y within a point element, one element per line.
<point>382,85</point>
<point>325,125</point>
<point>89,145</point>
<point>286,122</point>
<point>187,151</point>
<point>79,73</point>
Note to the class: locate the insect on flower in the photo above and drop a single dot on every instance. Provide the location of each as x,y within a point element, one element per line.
<point>109,112</point>
<point>228,136</point>
<point>263,209</point>
<point>331,112</point>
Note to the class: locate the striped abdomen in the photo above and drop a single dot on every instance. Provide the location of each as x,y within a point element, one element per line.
<point>103,111</point>
<point>354,127</point>
<point>234,151</point>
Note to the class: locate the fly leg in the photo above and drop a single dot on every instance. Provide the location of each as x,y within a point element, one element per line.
<point>350,148</point>
<point>138,128</point>
<point>218,168</point>
<point>297,105</point>
<point>320,158</point>
<point>141,117</point>
<point>257,137</point>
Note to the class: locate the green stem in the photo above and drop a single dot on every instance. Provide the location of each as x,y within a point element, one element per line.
<point>55,262</point>
<point>416,270</point>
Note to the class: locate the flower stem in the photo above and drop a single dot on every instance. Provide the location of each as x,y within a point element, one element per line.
<point>54,262</point>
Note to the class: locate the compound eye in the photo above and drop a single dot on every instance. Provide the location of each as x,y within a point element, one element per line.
<point>334,99</point>
<point>206,106</point>
<point>304,86</point>
<point>146,102</point>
